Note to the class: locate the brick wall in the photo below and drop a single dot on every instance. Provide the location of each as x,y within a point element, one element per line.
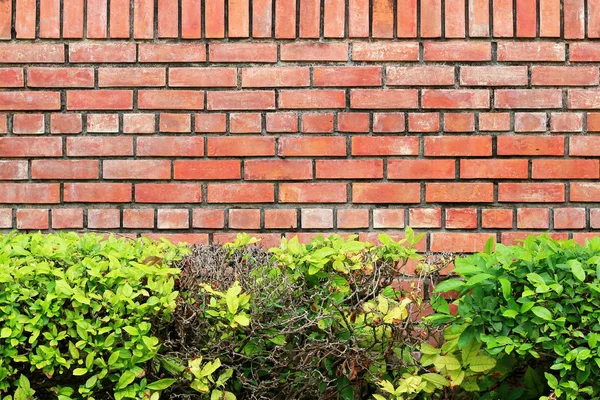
<point>195,119</point>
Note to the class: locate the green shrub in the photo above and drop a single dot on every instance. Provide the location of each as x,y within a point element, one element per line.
<point>535,308</point>
<point>77,314</point>
<point>316,321</point>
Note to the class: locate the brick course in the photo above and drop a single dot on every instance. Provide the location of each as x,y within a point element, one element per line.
<point>197,119</point>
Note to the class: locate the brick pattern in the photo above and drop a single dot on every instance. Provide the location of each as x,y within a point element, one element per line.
<point>195,119</point>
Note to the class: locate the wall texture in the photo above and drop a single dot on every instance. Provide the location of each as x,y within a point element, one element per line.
<point>194,119</point>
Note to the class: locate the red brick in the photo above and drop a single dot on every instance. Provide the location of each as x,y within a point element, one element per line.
<point>593,13</point>
<point>353,219</point>
<point>173,219</point>
<point>312,193</point>
<point>526,18</point>
<point>313,51</point>
<point>73,19</point>
<point>334,18</point>
<point>125,77</point>
<point>138,218</point>
<point>210,123</point>
<point>349,169</point>
<point>425,217</point>
<point>233,146</point>
<point>262,18</point>
<point>317,123</point>
<point>494,169</point>
<point>566,122</point>
<point>32,219</point>
<point>244,219</point>
<point>207,169</point>
<point>97,18</point>
<point>168,193</point>
<point>28,101</point>
<point>431,18</point>
<point>281,219</point>
<point>245,123</point>
<point>241,100</point>
<point>31,53</point>
<point>528,98</point>
<point>276,77</point>
<point>530,122</point>
<point>30,193</point>
<point>171,100</point>
<point>277,170</point>
<point>385,146</point>
<point>550,11</point>
<point>358,18</point>
<point>584,52</point>
<point>99,100</point>
<point>30,147</point>
<point>243,52</point>
<point>455,18</point>
<point>420,76</point>
<point>97,192</point>
<point>459,242</point>
<point>593,122</point>
<point>595,218</point>
<point>310,18</point>
<point>353,122</point>
<point>566,169</point>
<point>569,218</point>
<point>102,52</point>
<point>530,146</point>
<point>99,146</point>
<point>60,77</point>
<point>316,218</point>
<point>241,193</point>
<point>384,51</point>
<point>459,192</point>
<point>301,99</point>
<point>388,218</point>
<point>459,122</point>
<point>28,123</point>
<point>384,98</point>
<point>424,122</point>
<point>165,146</point>
<point>214,25</point>
<point>3,123</point>
<point>406,15</point>
<point>26,19</point>
<point>542,75</point>
<point>64,169</point>
<point>584,192</point>
<point>285,19</point>
<point>479,12</point>
<point>497,218</point>
<point>136,169</point>
<point>455,98</point>
<point>530,51</point>
<point>421,169</point>
<point>533,218</point>
<point>384,193</point>
<point>6,22</point>
<point>103,123</point>
<point>203,77</point>
<point>175,123</point>
<point>67,218</point>
<point>11,77</point>
<point>139,123</point>
<point>239,18</point>
<point>168,18</point>
<point>347,76</point>
<point>119,19</point>
<point>312,146</point>
<point>383,19</point>
<point>103,218</point>
<point>461,218</point>
<point>282,122</point>
<point>457,51</point>
<point>493,76</point>
<point>208,218</point>
<point>143,19</point>
<point>531,192</point>
<point>574,19</point>
<point>583,98</point>
<point>388,122</point>
<point>584,146</point>
<point>503,18</point>
<point>172,52</point>
<point>470,146</point>
<point>494,122</point>
<point>13,170</point>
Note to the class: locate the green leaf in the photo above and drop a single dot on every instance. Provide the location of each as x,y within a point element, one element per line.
<point>450,284</point>
<point>478,279</point>
<point>552,381</point>
<point>577,269</point>
<point>161,384</point>
<point>126,379</point>
<point>542,313</point>
<point>489,245</point>
<point>438,380</point>
<point>80,371</point>
<point>242,320</point>
<point>481,363</point>
<point>449,363</point>
<point>6,332</point>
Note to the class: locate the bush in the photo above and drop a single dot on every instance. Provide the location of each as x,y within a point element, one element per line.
<point>535,309</point>
<point>321,320</point>
<point>77,314</point>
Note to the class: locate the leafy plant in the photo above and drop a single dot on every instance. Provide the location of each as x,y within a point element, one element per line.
<point>536,309</point>
<point>77,313</point>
